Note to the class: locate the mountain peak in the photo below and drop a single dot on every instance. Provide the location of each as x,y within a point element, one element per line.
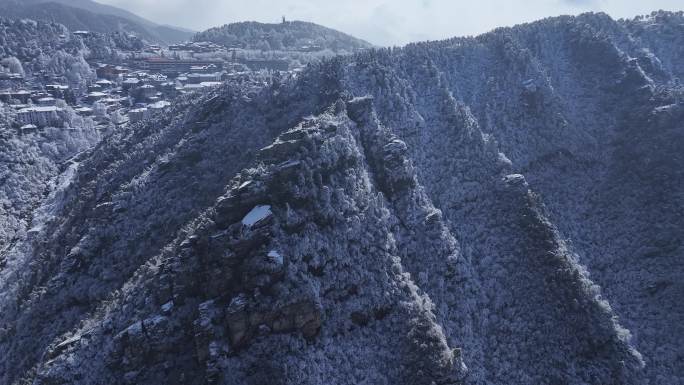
<point>288,35</point>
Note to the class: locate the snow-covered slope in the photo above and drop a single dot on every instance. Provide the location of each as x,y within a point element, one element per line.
<point>505,209</point>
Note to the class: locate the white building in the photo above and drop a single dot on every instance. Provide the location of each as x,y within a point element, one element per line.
<point>84,111</point>
<point>147,91</point>
<point>204,86</point>
<point>104,84</point>
<point>138,114</point>
<point>197,78</point>
<point>28,128</point>
<point>159,106</point>
<point>47,101</point>
<point>95,96</point>
<point>40,116</point>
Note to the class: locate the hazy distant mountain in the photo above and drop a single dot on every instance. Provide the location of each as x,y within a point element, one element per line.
<point>92,16</point>
<point>292,35</point>
<point>167,33</point>
<point>102,9</point>
<point>503,209</point>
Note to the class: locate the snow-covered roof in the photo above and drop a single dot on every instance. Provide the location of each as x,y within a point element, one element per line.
<point>41,109</point>
<point>257,214</point>
<point>113,100</point>
<point>160,104</point>
<point>210,84</point>
<point>167,306</point>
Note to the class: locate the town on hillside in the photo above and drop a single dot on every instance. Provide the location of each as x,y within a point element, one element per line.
<point>140,82</point>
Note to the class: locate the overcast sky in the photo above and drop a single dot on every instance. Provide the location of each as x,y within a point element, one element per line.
<point>383,22</point>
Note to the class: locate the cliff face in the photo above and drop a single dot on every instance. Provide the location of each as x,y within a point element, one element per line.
<point>451,212</point>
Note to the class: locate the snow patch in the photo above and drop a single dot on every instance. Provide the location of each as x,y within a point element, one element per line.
<point>666,108</point>
<point>529,85</point>
<point>504,160</point>
<point>237,304</point>
<point>275,256</point>
<point>70,341</point>
<point>167,307</point>
<point>515,180</point>
<point>288,164</point>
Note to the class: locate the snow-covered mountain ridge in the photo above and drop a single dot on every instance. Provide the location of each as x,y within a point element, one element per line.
<point>504,209</point>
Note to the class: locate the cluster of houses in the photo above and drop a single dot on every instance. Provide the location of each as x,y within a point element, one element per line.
<point>197,47</point>
<point>116,96</point>
<point>128,91</point>
<point>37,107</point>
<point>155,81</point>
<point>130,95</point>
